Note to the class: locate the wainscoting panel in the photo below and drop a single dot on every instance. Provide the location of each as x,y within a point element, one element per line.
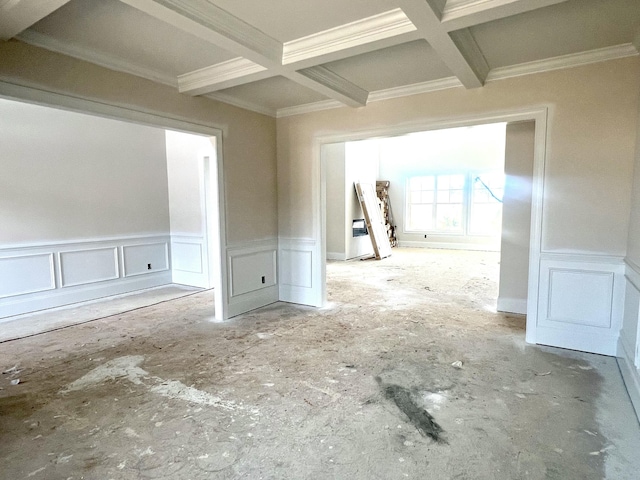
<point>580,302</point>
<point>25,274</point>
<point>189,260</point>
<point>247,265</point>
<point>36,277</point>
<point>629,344</point>
<point>146,258</point>
<point>81,267</point>
<point>298,256</point>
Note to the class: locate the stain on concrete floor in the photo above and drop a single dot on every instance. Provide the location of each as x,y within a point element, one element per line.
<point>289,392</point>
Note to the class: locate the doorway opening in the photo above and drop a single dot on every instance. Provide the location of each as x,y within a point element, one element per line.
<point>447,189</point>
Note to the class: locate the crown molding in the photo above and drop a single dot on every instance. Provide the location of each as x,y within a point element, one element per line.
<point>563,61</point>
<point>221,75</point>
<point>415,89</point>
<point>367,30</point>
<point>308,108</point>
<point>377,96</point>
<point>254,107</point>
<point>104,60</point>
<point>336,86</point>
<point>541,66</point>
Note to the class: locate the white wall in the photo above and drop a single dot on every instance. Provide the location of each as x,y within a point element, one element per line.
<point>361,166</point>
<point>334,156</point>
<point>516,218</point>
<point>186,157</point>
<point>84,207</point>
<point>448,151</point>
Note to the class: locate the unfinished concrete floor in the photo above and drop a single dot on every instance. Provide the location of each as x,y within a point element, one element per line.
<point>289,392</point>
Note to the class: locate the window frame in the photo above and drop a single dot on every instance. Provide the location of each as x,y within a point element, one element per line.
<point>467,204</point>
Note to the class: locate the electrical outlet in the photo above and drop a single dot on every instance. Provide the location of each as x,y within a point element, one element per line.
<point>264,279</point>
<point>425,236</point>
<point>148,266</point>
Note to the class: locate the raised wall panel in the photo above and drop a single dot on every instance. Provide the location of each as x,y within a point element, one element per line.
<point>297,257</point>
<point>26,274</point>
<point>580,302</point>
<point>246,271</point>
<point>137,258</point>
<point>297,268</point>
<point>246,265</point>
<point>85,270</point>
<point>581,297</point>
<point>88,266</point>
<point>186,257</point>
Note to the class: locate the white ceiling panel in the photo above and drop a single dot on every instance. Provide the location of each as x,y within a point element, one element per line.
<point>404,64</point>
<point>268,55</point>
<point>273,93</point>
<point>286,20</point>
<point>570,27</point>
<point>111,28</point>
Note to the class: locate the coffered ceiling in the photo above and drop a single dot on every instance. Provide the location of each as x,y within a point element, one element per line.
<point>282,57</point>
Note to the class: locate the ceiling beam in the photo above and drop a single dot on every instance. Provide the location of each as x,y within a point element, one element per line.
<point>18,15</point>
<point>362,36</point>
<point>459,51</point>
<point>217,26</point>
<point>460,14</point>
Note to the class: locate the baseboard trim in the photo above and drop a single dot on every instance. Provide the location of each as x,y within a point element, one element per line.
<point>250,301</point>
<point>512,305</point>
<point>72,295</point>
<point>630,375</point>
<point>449,246</point>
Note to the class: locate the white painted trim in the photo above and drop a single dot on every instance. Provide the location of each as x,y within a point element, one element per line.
<point>497,74</point>
<point>52,271</point>
<point>65,293</point>
<point>563,61</point>
<point>341,256</point>
<point>539,115</point>
<point>240,303</point>
<point>311,293</point>
<point>366,30</point>
<point>244,104</point>
<point>18,15</point>
<point>478,247</point>
<point>82,293</point>
<point>114,250</point>
<point>219,76</point>
<point>512,305</point>
<point>333,85</point>
<point>111,62</point>
<point>630,375</point>
<point>415,89</point>
<point>126,112</point>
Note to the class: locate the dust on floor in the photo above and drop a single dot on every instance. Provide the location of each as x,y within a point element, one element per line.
<point>366,388</point>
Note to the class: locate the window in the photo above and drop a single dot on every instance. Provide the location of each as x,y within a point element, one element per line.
<point>469,204</point>
<point>436,202</point>
<point>486,204</point>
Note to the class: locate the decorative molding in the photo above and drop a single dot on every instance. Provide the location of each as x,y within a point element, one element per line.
<point>18,15</point>
<point>470,51</point>
<point>102,59</point>
<point>478,247</point>
<point>253,107</point>
<point>227,74</point>
<point>349,93</point>
<point>45,282</point>
<point>458,14</point>
<point>367,30</point>
<point>415,89</point>
<point>580,302</point>
<point>630,375</point>
<point>308,108</point>
<point>133,264</point>
<point>86,276</point>
<point>220,27</point>
<point>563,61</point>
<point>501,73</point>
<point>86,281</point>
<point>298,263</point>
